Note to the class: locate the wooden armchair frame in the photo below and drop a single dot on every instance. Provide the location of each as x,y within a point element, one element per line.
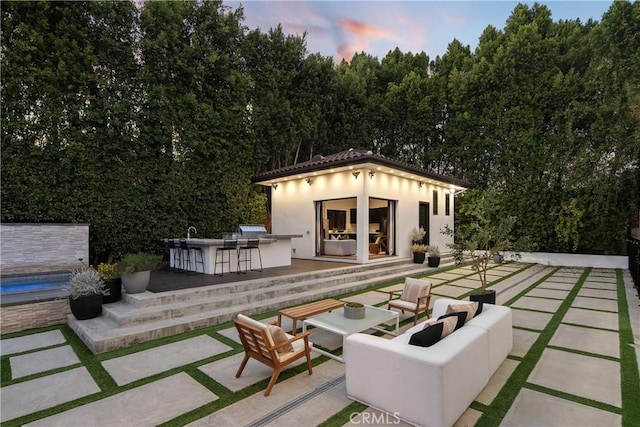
<point>258,344</point>
<point>416,307</point>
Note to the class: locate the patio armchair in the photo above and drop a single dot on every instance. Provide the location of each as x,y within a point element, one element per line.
<point>269,345</point>
<point>414,297</point>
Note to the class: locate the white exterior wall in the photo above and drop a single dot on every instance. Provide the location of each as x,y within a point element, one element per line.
<point>293,208</point>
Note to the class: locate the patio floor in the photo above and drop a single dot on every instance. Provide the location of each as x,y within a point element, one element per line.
<point>574,363</point>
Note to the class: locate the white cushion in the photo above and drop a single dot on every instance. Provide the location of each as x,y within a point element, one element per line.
<point>402,304</point>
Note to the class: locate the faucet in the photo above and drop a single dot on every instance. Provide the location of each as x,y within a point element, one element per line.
<point>189,232</point>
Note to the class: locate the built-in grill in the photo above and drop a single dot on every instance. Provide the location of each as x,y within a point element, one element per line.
<point>250,231</point>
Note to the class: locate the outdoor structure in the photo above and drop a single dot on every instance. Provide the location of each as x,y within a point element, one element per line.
<point>359,206</point>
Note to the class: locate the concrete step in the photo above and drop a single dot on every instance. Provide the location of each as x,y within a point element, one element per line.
<point>153,316</point>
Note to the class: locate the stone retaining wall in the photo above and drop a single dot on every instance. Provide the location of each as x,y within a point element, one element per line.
<point>37,248</point>
<point>36,315</point>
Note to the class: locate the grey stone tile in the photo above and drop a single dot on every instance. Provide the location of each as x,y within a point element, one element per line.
<point>449,291</point>
<point>606,343</point>
<point>530,319</point>
<point>540,304</point>
<point>45,392</point>
<point>548,293</point>
<point>535,409</point>
<point>497,381</point>
<point>598,293</point>
<point>41,361</point>
<point>147,405</point>
<point>596,303</point>
<point>522,341</point>
<point>602,278</point>
<point>257,406</point>
<point>135,366</point>
<point>31,342</point>
<point>396,287</point>
<point>469,418</point>
<point>224,371</point>
<point>597,319</point>
<point>589,377</point>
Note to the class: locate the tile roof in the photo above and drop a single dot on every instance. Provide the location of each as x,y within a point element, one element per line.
<point>352,157</point>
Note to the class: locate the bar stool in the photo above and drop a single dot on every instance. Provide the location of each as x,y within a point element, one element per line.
<point>171,245</point>
<point>246,250</point>
<point>227,247</point>
<point>184,246</point>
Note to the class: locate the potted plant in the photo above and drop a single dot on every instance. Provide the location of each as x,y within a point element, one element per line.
<point>110,275</point>
<point>417,235</point>
<point>353,310</point>
<point>418,250</point>
<point>498,258</point>
<point>485,233</point>
<point>86,290</point>
<point>135,270</point>
<point>434,256</point>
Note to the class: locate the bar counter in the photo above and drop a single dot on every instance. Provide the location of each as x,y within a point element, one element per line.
<point>275,250</point>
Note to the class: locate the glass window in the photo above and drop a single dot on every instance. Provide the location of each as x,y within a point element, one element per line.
<point>435,202</point>
<point>447,204</point>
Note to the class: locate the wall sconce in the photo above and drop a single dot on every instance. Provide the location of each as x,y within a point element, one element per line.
<point>355,174</point>
<point>371,174</point>
<point>309,181</point>
<point>275,185</point>
<point>420,184</point>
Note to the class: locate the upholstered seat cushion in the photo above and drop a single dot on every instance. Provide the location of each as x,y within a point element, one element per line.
<point>298,347</point>
<point>398,303</point>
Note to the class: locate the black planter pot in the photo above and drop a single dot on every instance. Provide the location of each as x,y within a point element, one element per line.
<point>84,308</point>
<point>418,257</point>
<point>115,291</point>
<point>488,297</point>
<point>434,261</point>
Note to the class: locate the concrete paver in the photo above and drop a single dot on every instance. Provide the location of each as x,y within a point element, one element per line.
<point>31,342</point>
<point>497,381</point>
<point>450,275</point>
<point>562,279</point>
<point>598,293</point>
<point>600,285</point>
<point>45,392</point>
<point>556,285</point>
<point>580,375</point>
<point>449,291</point>
<point>41,361</point>
<point>530,319</point>
<point>596,304</point>
<point>548,293</point>
<point>534,409</point>
<point>374,418</point>
<point>135,366</point>
<point>467,283</point>
<point>596,319</point>
<point>147,405</point>
<point>606,343</point>
<point>522,341</point>
<point>540,304</point>
<point>368,298</point>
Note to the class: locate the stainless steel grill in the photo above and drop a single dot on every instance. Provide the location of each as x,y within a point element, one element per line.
<point>248,231</point>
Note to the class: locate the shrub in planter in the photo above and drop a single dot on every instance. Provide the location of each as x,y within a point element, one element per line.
<point>86,290</point>
<point>110,275</point>
<point>434,256</point>
<point>136,269</point>
<point>418,252</point>
<point>354,310</point>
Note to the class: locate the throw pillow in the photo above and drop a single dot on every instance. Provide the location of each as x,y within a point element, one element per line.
<point>434,333</point>
<point>462,317</point>
<point>278,336</point>
<point>471,308</point>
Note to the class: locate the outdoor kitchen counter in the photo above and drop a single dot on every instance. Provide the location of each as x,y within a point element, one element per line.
<point>275,250</point>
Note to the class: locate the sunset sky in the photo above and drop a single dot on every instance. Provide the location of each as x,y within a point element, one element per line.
<point>341,28</point>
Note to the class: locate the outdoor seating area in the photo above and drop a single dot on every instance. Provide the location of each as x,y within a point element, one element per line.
<point>569,360</point>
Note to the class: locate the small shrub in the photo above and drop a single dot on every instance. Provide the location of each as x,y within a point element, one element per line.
<point>434,251</point>
<point>108,271</point>
<point>418,248</point>
<point>142,261</point>
<point>85,282</point>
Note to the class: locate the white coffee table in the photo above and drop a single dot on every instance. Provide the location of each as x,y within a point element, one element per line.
<point>336,323</point>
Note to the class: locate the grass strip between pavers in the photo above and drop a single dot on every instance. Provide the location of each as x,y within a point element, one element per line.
<point>630,385</point>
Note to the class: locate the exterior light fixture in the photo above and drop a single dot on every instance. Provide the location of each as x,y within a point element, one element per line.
<point>371,174</point>
<point>355,174</point>
<point>275,185</point>
<point>309,181</point>
<point>420,184</point>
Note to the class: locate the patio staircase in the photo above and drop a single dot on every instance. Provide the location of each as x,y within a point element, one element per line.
<point>148,316</point>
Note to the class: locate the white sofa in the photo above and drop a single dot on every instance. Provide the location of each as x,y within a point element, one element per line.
<point>429,386</point>
<point>340,247</point>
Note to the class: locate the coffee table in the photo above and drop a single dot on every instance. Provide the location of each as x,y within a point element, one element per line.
<point>336,323</point>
